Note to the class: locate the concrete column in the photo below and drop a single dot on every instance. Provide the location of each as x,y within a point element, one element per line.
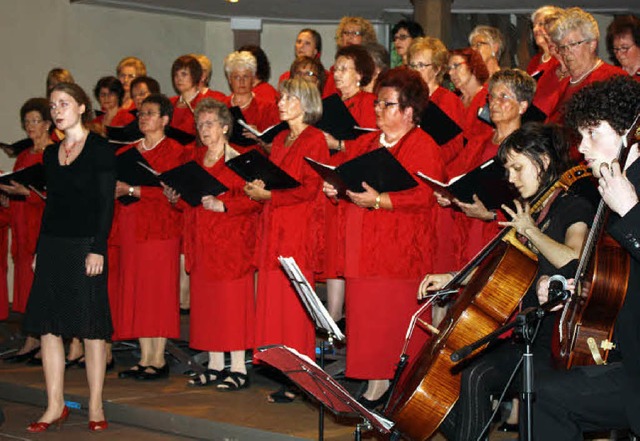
<point>246,31</point>
<point>435,18</point>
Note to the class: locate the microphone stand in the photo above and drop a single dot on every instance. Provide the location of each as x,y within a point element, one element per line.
<point>525,324</point>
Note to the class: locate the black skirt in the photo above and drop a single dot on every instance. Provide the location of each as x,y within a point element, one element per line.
<point>64,301</point>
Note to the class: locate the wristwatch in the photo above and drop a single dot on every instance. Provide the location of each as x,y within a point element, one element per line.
<point>131,190</point>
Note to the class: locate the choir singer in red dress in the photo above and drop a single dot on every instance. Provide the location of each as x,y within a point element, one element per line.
<point>390,237</point>
<point>291,223</point>
<point>219,242</point>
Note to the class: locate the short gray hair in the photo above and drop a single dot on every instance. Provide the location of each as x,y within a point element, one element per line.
<point>575,19</point>
<point>490,33</point>
<point>518,81</point>
<point>309,97</point>
<point>240,60</point>
<point>209,105</point>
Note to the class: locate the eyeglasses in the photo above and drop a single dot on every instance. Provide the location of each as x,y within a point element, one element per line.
<point>570,46</point>
<point>149,113</point>
<point>124,76</point>
<point>351,33</point>
<point>383,104</point>
<point>455,66</point>
<point>621,49</point>
<point>241,77</point>
<point>343,69</point>
<point>500,98</point>
<point>401,37</point>
<point>34,122</point>
<point>478,44</point>
<point>206,124</point>
<point>419,65</point>
<point>305,73</point>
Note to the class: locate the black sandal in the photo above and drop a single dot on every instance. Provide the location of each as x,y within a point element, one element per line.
<point>208,378</point>
<point>234,381</point>
<point>282,396</point>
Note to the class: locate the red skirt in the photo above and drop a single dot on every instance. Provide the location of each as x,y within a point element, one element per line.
<point>4,260</point>
<point>22,281</point>
<point>222,313</point>
<point>378,313</point>
<point>280,316</point>
<point>148,298</point>
<point>333,264</point>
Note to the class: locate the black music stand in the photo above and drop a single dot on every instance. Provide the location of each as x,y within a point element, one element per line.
<point>318,313</point>
<point>318,384</point>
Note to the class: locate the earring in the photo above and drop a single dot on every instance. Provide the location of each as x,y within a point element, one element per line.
<point>358,83</point>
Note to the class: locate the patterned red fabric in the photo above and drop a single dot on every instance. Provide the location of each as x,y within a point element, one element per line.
<point>25,216</point>
<point>148,239</point>
<point>219,248</point>
<point>387,254</point>
<point>291,225</point>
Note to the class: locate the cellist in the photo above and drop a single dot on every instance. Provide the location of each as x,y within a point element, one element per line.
<point>534,157</point>
<point>603,397</point>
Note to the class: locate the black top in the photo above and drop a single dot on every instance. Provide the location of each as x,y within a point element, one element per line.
<point>626,231</point>
<point>568,209</point>
<point>80,195</point>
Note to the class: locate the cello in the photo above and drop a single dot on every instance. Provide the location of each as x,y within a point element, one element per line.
<point>502,274</point>
<point>584,330</point>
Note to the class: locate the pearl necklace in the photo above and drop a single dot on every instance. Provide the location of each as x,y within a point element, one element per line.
<point>584,75</point>
<point>145,148</point>
<point>244,106</point>
<point>385,143</point>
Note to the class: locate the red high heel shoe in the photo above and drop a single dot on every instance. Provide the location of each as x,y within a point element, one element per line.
<point>41,426</point>
<point>98,426</point>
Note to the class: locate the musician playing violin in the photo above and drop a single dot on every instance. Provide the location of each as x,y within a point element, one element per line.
<point>534,156</point>
<point>603,397</point>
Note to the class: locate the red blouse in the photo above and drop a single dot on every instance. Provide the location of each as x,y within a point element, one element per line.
<point>398,243</point>
<point>222,243</point>
<point>266,92</point>
<point>473,126</point>
<point>156,219</point>
<point>450,104</point>
<point>258,113</point>
<point>183,116</point>
<point>361,108</point>
<point>291,223</point>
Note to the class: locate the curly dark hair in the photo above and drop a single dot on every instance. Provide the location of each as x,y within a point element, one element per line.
<point>624,24</point>
<point>263,72</point>
<point>112,84</point>
<point>537,141</point>
<point>361,59</point>
<point>413,28</point>
<point>475,63</point>
<point>412,90</point>
<point>40,105</point>
<point>616,101</point>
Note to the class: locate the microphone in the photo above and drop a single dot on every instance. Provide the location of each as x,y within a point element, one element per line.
<point>558,288</point>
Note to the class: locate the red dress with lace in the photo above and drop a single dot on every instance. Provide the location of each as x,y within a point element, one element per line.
<point>291,225</point>
<point>387,254</point>
<point>25,217</point>
<point>219,248</point>
<point>148,236</point>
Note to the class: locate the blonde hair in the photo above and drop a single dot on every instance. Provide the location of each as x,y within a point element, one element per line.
<point>439,53</point>
<point>490,33</point>
<point>136,63</point>
<point>368,33</point>
<point>206,67</point>
<point>544,11</point>
<point>309,96</point>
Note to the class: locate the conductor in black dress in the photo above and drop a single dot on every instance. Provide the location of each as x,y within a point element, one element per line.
<point>69,293</point>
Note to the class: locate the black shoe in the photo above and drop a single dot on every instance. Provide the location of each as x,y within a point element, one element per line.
<point>506,427</point>
<point>73,362</point>
<point>35,361</point>
<point>133,372</point>
<point>111,364</point>
<point>184,311</point>
<point>373,404</point>
<point>21,358</point>
<point>155,374</point>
